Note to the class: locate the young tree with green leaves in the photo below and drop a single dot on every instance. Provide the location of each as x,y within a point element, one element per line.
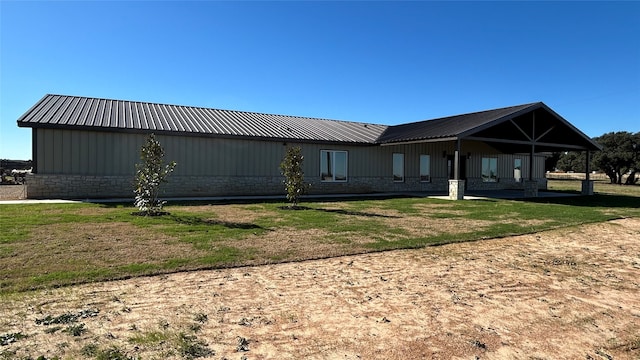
<point>149,175</point>
<point>291,167</point>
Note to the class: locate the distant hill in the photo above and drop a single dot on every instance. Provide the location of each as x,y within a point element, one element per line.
<point>15,164</point>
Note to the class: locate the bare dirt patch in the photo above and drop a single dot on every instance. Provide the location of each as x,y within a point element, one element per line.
<point>563,294</point>
<point>13,192</point>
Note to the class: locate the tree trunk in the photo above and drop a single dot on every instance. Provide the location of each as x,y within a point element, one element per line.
<point>619,176</point>
<point>612,176</point>
<point>631,179</point>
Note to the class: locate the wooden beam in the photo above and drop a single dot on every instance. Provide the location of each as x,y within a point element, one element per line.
<point>545,133</point>
<point>587,167</point>
<point>523,142</point>
<point>533,144</point>
<point>522,131</point>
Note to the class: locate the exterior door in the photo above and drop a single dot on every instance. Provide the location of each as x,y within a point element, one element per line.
<point>463,167</point>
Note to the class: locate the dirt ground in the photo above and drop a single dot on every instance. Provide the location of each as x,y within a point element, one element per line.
<point>572,293</point>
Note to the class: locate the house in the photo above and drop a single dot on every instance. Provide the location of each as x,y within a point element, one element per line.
<point>88,147</point>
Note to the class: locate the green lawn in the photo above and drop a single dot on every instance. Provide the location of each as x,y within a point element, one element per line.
<point>44,245</point>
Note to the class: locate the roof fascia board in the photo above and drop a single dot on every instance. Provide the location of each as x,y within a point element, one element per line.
<point>452,138</point>
<point>575,129</point>
<point>32,108</point>
<point>192,134</point>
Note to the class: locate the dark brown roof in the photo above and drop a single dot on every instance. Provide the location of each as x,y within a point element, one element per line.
<point>58,111</point>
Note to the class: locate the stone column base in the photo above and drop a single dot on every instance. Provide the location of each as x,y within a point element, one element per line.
<point>456,189</point>
<point>530,188</point>
<point>587,187</point>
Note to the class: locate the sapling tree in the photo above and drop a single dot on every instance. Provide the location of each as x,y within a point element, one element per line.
<point>149,175</point>
<point>291,167</point>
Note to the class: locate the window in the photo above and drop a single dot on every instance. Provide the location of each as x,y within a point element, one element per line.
<point>398,167</point>
<point>517,170</point>
<point>425,168</point>
<point>333,165</point>
<point>489,169</point>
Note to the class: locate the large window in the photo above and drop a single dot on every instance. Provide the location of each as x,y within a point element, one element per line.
<point>425,168</point>
<point>489,169</point>
<point>398,167</point>
<point>333,165</point>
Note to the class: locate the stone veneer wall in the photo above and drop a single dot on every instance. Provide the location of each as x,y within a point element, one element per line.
<point>96,187</point>
<point>43,186</point>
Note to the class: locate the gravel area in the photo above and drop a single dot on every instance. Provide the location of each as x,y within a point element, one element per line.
<point>13,192</point>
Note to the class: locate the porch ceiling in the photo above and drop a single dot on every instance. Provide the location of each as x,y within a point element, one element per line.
<point>540,127</point>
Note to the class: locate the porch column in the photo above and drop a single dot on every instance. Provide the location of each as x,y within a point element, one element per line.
<point>531,185</point>
<point>456,186</point>
<point>587,183</point>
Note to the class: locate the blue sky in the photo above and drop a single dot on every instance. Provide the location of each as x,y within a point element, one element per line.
<point>379,62</point>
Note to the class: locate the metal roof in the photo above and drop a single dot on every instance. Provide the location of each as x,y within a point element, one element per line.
<point>59,111</point>
<point>508,129</point>
<point>447,127</point>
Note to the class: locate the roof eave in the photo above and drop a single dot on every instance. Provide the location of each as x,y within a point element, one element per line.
<point>417,141</point>
<point>596,146</point>
<point>192,134</point>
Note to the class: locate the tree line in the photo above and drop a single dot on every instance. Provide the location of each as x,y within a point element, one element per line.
<point>620,155</point>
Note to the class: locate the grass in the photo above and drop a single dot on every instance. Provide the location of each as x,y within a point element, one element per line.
<point>46,245</point>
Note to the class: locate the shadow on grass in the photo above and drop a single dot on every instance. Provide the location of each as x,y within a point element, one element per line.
<point>597,200</point>
<point>340,211</point>
<point>194,220</point>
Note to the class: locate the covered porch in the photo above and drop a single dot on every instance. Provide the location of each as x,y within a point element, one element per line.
<point>531,131</point>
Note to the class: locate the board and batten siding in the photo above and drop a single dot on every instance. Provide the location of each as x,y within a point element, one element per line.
<point>104,153</point>
<point>506,165</point>
<point>87,152</point>
<point>94,164</point>
<point>78,152</point>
